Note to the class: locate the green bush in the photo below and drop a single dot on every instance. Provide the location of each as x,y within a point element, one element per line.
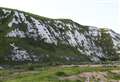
<point>60,73</point>
<point>30,67</point>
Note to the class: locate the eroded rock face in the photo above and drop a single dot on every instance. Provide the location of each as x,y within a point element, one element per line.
<point>49,36</point>
<point>19,54</point>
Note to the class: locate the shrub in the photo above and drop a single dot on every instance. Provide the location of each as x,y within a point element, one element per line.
<point>30,67</point>
<point>61,73</point>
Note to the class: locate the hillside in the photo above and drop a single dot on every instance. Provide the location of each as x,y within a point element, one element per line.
<point>25,37</point>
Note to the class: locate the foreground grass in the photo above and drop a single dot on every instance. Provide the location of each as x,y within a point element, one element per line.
<point>52,74</point>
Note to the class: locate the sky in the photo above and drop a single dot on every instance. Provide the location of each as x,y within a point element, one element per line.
<point>99,13</point>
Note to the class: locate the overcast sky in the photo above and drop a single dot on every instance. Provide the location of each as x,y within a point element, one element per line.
<point>100,13</point>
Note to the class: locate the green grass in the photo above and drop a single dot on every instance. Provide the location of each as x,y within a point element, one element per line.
<point>49,74</point>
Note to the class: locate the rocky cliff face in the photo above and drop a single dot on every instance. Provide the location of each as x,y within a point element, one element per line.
<point>25,37</point>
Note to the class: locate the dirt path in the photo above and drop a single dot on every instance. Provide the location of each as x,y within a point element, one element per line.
<point>94,76</point>
<point>87,65</point>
